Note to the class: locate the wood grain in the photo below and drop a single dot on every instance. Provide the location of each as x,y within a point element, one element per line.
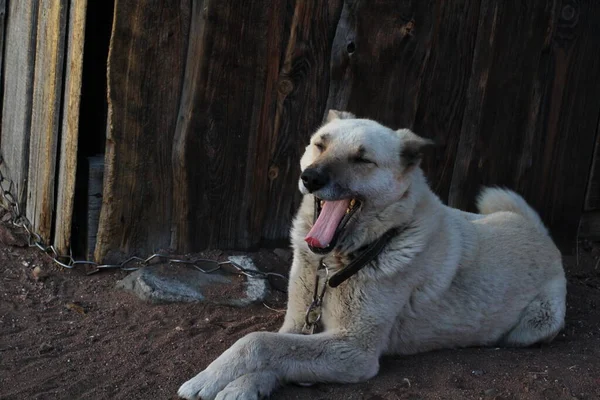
<point>570,119</point>
<point>589,227</point>
<point>45,114</point>
<point>443,94</point>
<point>95,173</point>
<point>145,72</point>
<point>227,100</point>
<point>2,37</point>
<point>299,89</point>
<point>211,103</point>
<point>407,64</point>
<point>504,97</point>
<point>531,120</point>
<point>380,52</point>
<point>70,126</point>
<point>592,196</point>
<point>19,61</point>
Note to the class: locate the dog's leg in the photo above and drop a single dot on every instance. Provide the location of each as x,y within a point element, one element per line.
<point>256,364</point>
<point>300,292</point>
<point>542,319</point>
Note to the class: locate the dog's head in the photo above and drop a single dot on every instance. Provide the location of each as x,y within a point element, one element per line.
<point>352,165</point>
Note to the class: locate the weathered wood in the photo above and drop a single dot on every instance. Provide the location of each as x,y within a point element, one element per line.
<point>502,96</point>
<point>589,227</point>
<point>572,112</point>
<point>407,64</point>
<point>379,57</point>
<point>295,99</point>
<point>19,61</point>
<point>531,120</point>
<point>70,126</point>
<point>95,167</point>
<point>145,72</point>
<point>2,31</point>
<point>228,137</point>
<point>592,197</point>
<point>45,114</point>
<point>443,93</point>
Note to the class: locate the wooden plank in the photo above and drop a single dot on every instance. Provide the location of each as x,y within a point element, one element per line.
<point>533,108</point>
<point>45,114</point>
<point>297,88</point>
<point>2,32</point>
<point>503,96</point>
<point>589,227</point>
<point>407,64</point>
<point>592,197</point>
<point>19,61</point>
<point>70,126</point>
<point>95,167</point>
<point>380,52</point>
<point>228,102</point>
<point>145,72</point>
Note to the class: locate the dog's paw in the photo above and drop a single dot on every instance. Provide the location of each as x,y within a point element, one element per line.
<point>236,393</point>
<point>201,387</point>
<point>252,386</point>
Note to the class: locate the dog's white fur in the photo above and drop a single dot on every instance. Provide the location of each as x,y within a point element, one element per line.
<point>450,279</point>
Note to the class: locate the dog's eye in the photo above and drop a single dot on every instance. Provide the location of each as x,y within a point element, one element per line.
<point>320,146</point>
<point>362,160</point>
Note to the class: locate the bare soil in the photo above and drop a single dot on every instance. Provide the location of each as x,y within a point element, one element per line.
<point>67,335</point>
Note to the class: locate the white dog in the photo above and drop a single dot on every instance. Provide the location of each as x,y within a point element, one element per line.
<point>381,266</point>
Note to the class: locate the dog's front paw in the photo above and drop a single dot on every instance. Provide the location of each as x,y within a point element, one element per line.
<point>237,394</point>
<point>252,386</point>
<point>203,386</point>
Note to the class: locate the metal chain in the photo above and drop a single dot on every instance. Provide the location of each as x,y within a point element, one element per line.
<point>315,309</point>
<point>11,205</point>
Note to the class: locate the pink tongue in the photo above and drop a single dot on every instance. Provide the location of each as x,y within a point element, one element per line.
<point>324,228</point>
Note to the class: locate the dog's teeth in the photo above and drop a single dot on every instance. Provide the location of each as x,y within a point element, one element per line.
<point>322,203</point>
<point>352,203</point>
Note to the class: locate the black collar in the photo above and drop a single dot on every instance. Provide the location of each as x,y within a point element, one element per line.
<point>364,258</point>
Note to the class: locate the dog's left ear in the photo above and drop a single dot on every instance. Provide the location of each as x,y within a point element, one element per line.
<point>335,114</point>
<point>412,148</point>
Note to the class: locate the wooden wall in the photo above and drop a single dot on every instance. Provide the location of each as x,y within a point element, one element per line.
<point>210,104</point>
<point>41,88</point>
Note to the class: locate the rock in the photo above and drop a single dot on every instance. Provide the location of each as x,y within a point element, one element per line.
<point>284,254</point>
<point>478,372</point>
<point>165,283</point>
<point>12,238</point>
<point>38,273</point>
<point>45,348</point>
<point>75,307</point>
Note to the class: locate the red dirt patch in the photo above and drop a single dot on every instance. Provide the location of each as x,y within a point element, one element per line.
<point>66,335</point>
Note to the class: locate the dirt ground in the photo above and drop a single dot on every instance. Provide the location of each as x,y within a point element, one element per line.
<point>67,335</point>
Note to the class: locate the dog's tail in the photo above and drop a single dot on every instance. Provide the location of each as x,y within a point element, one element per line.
<point>491,200</point>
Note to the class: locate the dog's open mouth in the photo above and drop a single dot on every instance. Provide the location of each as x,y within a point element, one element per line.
<point>331,219</point>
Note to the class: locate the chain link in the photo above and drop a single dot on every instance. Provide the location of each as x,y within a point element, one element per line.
<point>315,309</point>
<point>11,205</point>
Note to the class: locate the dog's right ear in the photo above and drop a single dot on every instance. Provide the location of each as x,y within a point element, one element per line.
<point>335,114</point>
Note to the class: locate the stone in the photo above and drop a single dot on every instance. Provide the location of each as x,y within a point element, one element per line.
<point>284,254</point>
<point>166,283</point>
<point>10,237</point>
<point>45,348</point>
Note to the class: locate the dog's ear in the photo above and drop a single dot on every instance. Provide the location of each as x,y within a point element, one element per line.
<point>412,148</point>
<point>335,114</point>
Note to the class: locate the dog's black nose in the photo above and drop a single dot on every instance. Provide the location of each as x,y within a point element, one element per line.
<point>314,179</point>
